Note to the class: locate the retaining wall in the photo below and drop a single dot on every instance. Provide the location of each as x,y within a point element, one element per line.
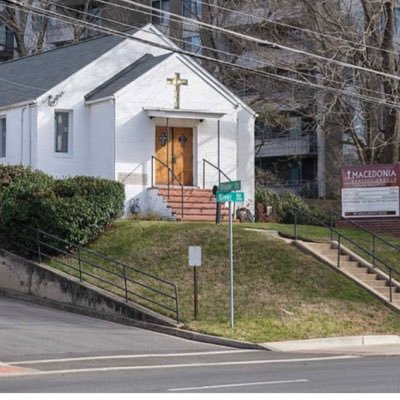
<point>52,287</point>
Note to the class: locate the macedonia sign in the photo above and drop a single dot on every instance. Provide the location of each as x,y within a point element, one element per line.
<point>371,191</point>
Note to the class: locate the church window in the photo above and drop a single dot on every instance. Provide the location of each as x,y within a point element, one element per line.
<point>62,131</point>
<point>3,136</point>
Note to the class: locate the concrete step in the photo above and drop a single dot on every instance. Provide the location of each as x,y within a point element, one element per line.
<point>350,265</point>
<point>377,283</point>
<point>366,276</point>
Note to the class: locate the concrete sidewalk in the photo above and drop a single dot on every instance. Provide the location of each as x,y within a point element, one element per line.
<point>354,345</point>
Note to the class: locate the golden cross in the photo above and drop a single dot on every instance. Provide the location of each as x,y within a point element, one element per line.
<point>177,82</point>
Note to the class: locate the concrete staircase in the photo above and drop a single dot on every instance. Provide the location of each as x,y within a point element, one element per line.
<point>198,204</point>
<point>354,267</point>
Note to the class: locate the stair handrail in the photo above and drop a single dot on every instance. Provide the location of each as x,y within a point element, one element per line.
<point>358,226</point>
<point>342,236</point>
<point>170,170</point>
<point>76,252</point>
<point>217,168</point>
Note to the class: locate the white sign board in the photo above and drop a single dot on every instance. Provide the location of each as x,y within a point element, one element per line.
<point>370,201</point>
<point>194,256</point>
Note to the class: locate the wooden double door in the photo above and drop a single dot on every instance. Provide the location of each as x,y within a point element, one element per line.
<point>174,148</point>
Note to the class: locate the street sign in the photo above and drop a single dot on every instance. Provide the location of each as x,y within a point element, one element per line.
<point>194,256</point>
<point>236,197</point>
<point>229,186</point>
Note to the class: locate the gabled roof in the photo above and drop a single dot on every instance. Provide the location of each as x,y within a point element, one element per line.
<point>29,77</point>
<point>126,76</point>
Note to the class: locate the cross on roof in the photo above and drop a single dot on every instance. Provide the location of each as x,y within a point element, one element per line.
<point>177,82</point>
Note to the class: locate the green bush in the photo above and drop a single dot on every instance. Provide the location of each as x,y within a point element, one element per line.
<point>74,209</point>
<point>284,205</point>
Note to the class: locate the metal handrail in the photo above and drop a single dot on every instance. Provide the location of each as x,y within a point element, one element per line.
<point>340,236</point>
<point>153,158</point>
<point>358,226</point>
<point>77,252</point>
<point>217,168</point>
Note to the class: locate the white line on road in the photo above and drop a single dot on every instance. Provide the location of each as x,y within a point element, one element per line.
<point>200,353</point>
<point>238,385</point>
<point>197,365</point>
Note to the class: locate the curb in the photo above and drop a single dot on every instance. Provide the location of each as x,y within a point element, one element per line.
<point>178,332</point>
<point>334,342</point>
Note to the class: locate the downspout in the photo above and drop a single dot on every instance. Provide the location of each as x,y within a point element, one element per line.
<point>28,106</point>
<point>112,101</point>
<point>22,133</point>
<point>30,132</point>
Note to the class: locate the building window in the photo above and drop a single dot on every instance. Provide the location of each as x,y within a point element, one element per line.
<point>159,18</point>
<point>193,44</point>
<point>62,131</point>
<point>192,8</point>
<point>3,137</point>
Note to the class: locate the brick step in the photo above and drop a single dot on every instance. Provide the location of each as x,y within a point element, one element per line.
<point>195,218</point>
<point>189,199</point>
<point>196,211</point>
<point>187,192</point>
<point>193,204</point>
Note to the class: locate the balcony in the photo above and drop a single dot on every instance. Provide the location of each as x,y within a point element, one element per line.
<point>285,147</point>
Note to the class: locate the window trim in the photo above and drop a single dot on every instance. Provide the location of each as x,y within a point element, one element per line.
<point>4,117</point>
<point>69,153</point>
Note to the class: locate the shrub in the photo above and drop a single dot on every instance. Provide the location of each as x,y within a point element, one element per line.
<point>284,205</point>
<point>12,173</point>
<point>74,209</point>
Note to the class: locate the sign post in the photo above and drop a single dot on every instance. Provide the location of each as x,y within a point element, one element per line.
<point>195,262</point>
<point>226,194</point>
<point>231,266</point>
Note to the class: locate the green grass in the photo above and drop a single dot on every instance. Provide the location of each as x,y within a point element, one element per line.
<point>384,253</point>
<point>280,293</point>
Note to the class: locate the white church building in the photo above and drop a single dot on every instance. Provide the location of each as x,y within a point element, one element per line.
<point>118,108</point>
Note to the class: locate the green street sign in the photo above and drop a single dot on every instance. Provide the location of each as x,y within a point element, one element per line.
<point>229,186</point>
<point>236,197</point>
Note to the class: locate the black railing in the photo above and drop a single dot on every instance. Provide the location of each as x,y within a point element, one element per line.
<point>114,276</point>
<point>220,172</point>
<point>375,239</point>
<point>390,271</point>
<point>170,172</point>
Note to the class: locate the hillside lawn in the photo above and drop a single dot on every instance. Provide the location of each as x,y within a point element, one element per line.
<point>280,293</point>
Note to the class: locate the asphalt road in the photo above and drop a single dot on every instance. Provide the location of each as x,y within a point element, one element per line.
<point>46,350</point>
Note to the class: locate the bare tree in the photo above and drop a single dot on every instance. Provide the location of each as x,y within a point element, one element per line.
<point>359,32</point>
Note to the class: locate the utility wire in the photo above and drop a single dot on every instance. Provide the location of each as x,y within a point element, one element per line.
<point>359,45</point>
<point>266,42</point>
<point>263,62</point>
<point>77,22</point>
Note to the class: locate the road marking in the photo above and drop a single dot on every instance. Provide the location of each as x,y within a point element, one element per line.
<point>197,365</point>
<point>239,384</point>
<point>200,353</point>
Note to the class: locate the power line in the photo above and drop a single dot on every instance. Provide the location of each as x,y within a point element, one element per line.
<point>263,62</point>
<point>310,31</point>
<point>268,42</point>
<point>77,22</point>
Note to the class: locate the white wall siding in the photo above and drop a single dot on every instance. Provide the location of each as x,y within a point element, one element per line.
<point>101,154</point>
